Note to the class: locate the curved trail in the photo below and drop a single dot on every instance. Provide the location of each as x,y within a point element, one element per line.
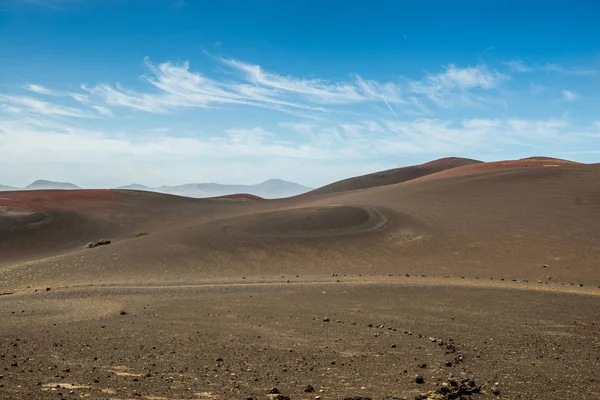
<point>350,281</point>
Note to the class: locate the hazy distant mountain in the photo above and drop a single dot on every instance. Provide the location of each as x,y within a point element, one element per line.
<point>273,188</point>
<point>42,184</point>
<point>135,186</point>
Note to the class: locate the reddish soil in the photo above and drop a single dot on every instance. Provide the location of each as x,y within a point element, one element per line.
<point>55,200</point>
<point>532,162</point>
<point>240,196</point>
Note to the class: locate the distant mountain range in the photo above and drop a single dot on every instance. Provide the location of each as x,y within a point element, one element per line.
<point>273,188</point>
<point>4,187</point>
<point>42,185</point>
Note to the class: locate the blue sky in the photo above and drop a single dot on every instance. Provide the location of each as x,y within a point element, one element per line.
<point>104,93</point>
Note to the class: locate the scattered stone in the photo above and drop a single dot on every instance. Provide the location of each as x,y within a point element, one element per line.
<point>309,389</point>
<point>100,242</point>
<point>325,319</point>
<point>419,379</point>
<point>357,398</point>
<point>545,266</point>
<point>123,312</point>
<point>275,394</point>
<point>452,389</point>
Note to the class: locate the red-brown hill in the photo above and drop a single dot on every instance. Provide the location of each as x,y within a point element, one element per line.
<point>531,162</point>
<point>43,223</point>
<point>395,175</point>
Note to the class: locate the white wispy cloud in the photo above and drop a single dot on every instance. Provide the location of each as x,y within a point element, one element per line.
<point>467,78</point>
<point>82,98</point>
<point>118,96</point>
<point>432,136</point>
<point>539,130</point>
<point>299,127</point>
<point>518,66</point>
<point>107,112</point>
<point>319,91</point>
<point>569,71</point>
<point>66,142</point>
<point>568,95</point>
<point>11,109</point>
<point>313,89</point>
<point>42,107</point>
<point>38,89</point>
<point>457,85</point>
<point>180,87</point>
<point>477,136</point>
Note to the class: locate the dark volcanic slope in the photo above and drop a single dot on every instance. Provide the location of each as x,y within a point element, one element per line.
<point>503,223</point>
<point>36,224</point>
<point>396,175</point>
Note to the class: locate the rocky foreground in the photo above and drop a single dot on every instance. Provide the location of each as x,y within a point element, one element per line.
<point>337,340</point>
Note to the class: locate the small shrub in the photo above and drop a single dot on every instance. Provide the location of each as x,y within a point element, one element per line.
<point>140,234</point>
<point>100,242</point>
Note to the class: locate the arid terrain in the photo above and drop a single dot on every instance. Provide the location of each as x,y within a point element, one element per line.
<point>452,279</point>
